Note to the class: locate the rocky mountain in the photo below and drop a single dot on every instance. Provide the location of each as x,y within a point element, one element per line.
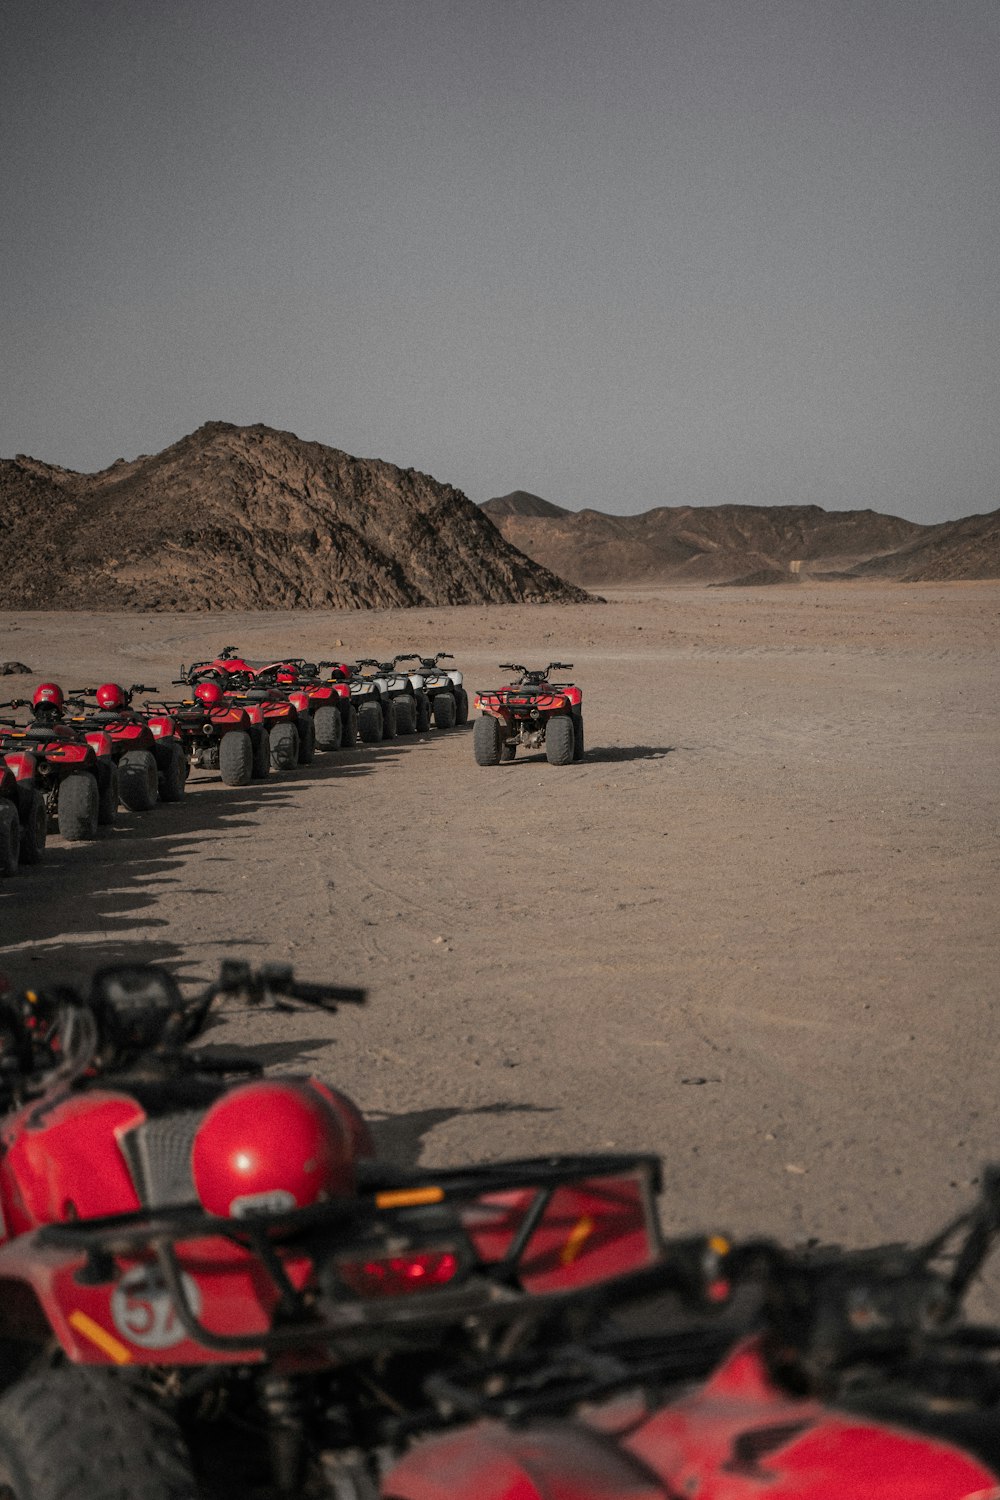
<point>522,503</point>
<point>743,544</point>
<point>250,518</point>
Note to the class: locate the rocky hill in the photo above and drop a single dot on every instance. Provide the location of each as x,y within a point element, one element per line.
<point>250,518</point>
<point>744,544</point>
<point>522,503</point>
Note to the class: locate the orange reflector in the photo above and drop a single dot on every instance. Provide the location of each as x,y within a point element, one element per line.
<point>581,1231</point>
<point>100,1337</point>
<point>409,1197</point>
<point>719,1245</point>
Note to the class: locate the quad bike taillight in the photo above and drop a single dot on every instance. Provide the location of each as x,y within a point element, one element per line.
<point>397,1275</point>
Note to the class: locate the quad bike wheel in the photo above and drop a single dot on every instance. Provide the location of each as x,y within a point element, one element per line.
<point>34,823</point>
<point>487,741</point>
<point>350,734</point>
<point>578,740</point>
<point>260,752</point>
<point>389,730</point>
<point>10,838</point>
<point>307,740</point>
<point>444,710</point>
<point>406,714</point>
<point>138,782</point>
<point>284,740</point>
<point>173,777</point>
<point>329,727</point>
<point>108,794</point>
<point>236,758</point>
<point>72,1432</point>
<point>461,706</point>
<point>370,723</point>
<point>560,740</point>
<point>77,806</point>
<point>423,713</point>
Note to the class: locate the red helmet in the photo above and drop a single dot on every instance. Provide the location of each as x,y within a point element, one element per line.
<point>48,692</point>
<point>270,1146</point>
<point>110,695</point>
<point>208,693</point>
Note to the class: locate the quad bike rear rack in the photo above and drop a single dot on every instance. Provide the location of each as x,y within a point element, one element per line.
<point>392,1213</point>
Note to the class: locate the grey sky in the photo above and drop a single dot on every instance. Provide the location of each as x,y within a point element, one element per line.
<point>623,253</point>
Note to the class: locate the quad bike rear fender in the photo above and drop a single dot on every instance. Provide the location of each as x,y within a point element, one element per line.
<point>70,756</point>
<point>99,742</point>
<point>22,763</point>
<point>130,734</point>
<point>162,727</point>
<point>232,717</point>
<point>130,1319</point>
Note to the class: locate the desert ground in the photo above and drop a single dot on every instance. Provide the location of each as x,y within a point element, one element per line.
<point>755,930</point>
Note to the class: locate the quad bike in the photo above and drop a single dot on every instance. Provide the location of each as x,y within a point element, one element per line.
<point>862,1380</point>
<point>23,816</point>
<point>531,713</point>
<point>375,694</point>
<point>146,748</point>
<point>220,735</point>
<point>448,699</point>
<point>71,768</point>
<point>411,706</point>
<point>286,724</point>
<point>333,720</point>
<point>215,1260</point>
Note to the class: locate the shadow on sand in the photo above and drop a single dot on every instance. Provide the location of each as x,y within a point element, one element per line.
<point>399,1138</point>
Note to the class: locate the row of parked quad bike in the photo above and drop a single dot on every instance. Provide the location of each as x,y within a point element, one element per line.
<point>211,1286</point>
<point>81,753</point>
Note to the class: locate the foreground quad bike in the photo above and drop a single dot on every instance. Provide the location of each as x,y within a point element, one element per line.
<point>862,1383</point>
<point>531,713</point>
<point>213,1262</point>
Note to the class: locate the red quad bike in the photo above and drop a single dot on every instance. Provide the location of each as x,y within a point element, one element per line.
<point>328,703</point>
<point>531,713</point>
<point>332,715</point>
<point>146,747</point>
<point>212,1263</point>
<point>71,769</point>
<point>862,1383</point>
<point>23,815</point>
<point>284,715</point>
<point>219,734</point>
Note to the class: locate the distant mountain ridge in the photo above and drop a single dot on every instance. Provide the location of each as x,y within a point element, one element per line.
<point>749,544</point>
<point>251,518</point>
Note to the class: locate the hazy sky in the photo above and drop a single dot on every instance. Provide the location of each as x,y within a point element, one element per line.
<point>622,253</point>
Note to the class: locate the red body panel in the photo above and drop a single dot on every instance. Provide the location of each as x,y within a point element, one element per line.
<point>63,1161</point>
<point>588,1232</point>
<point>22,763</point>
<point>737,1437</point>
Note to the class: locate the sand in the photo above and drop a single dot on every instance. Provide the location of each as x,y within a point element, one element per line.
<point>755,930</point>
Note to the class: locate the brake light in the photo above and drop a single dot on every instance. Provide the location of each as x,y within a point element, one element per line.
<point>396,1275</point>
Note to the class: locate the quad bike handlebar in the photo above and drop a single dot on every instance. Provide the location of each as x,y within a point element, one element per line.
<point>132,1011</point>
<point>538,675</point>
